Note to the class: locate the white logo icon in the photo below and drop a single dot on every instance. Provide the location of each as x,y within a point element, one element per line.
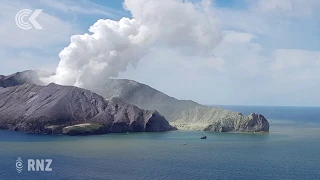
<point>19,165</point>
<point>24,23</point>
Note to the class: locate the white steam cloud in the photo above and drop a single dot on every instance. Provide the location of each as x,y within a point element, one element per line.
<point>113,45</point>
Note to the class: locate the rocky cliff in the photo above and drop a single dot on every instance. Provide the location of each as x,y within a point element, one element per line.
<point>56,109</point>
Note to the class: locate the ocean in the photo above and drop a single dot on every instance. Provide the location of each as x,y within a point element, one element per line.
<point>291,150</point>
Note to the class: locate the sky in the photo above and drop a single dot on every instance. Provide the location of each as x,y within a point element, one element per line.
<point>254,52</point>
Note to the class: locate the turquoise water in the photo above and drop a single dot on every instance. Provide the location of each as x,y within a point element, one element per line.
<point>290,151</point>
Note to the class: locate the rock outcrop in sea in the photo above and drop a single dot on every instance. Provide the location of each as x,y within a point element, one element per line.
<point>56,109</point>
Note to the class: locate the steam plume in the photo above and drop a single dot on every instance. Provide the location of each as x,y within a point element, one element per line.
<point>113,45</point>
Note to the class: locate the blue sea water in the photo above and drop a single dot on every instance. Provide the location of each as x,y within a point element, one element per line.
<point>291,150</point>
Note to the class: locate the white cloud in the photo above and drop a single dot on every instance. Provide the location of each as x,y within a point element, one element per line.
<point>298,8</point>
<point>237,37</point>
<point>295,58</point>
<point>246,21</point>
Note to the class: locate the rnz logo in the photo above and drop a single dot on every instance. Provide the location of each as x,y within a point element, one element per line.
<point>39,165</point>
<point>34,165</point>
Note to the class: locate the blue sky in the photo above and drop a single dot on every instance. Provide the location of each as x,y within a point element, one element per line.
<point>269,52</point>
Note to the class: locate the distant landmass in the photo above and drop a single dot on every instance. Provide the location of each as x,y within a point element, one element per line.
<point>182,114</point>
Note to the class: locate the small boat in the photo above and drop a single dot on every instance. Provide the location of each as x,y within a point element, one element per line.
<point>203,137</point>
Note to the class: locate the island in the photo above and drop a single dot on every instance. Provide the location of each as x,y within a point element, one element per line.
<point>115,106</point>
